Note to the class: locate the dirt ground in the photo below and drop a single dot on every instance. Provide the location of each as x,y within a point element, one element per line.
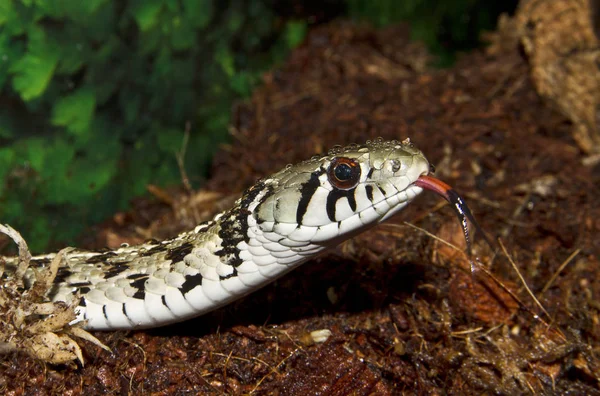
<point>406,312</point>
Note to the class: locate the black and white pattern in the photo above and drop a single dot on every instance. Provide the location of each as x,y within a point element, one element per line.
<point>277,224</point>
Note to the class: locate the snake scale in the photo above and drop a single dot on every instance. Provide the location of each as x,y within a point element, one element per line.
<point>279,223</point>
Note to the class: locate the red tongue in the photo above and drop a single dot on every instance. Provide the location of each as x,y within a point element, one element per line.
<point>458,205</point>
<point>435,185</point>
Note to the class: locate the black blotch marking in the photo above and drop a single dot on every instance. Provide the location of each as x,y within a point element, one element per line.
<point>234,224</point>
<point>163,299</point>
<point>177,254</point>
<point>115,270</point>
<point>269,191</point>
<point>41,262</point>
<point>306,193</point>
<point>137,276</point>
<point>62,275</point>
<point>370,173</point>
<point>101,258</point>
<point>80,284</point>
<point>104,312</point>
<point>152,251</point>
<point>191,281</point>
<point>330,207</point>
<point>334,196</point>
<point>234,273</point>
<point>204,226</point>
<point>124,310</point>
<point>352,200</point>
<point>140,294</point>
<point>382,190</point>
<point>84,290</point>
<point>369,190</point>
<point>61,278</point>
<point>82,302</point>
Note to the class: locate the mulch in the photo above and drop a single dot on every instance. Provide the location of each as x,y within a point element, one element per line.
<point>406,312</point>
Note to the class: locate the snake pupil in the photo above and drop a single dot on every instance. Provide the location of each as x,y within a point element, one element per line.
<point>343,172</point>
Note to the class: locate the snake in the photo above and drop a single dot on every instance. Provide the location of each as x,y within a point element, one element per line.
<point>280,222</point>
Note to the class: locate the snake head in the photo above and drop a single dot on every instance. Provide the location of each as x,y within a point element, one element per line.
<point>330,197</point>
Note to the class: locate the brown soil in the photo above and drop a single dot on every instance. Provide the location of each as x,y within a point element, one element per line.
<point>408,315</point>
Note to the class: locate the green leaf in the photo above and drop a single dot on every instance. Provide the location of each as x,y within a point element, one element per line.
<point>80,9</point>
<point>71,177</point>
<point>199,12</point>
<point>224,58</point>
<point>60,155</point>
<point>60,9</point>
<point>146,12</point>
<point>183,35</point>
<point>102,23</point>
<point>37,234</point>
<point>170,140</point>
<point>5,128</point>
<point>241,83</point>
<point>106,80</point>
<point>130,102</point>
<point>88,175</point>
<point>9,51</point>
<point>6,9</point>
<point>47,8</point>
<point>34,70</point>
<point>75,111</point>
<point>34,152</point>
<point>13,23</point>
<point>295,32</point>
<point>234,22</point>
<point>73,55</point>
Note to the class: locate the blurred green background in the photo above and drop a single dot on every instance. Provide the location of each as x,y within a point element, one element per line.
<point>95,95</point>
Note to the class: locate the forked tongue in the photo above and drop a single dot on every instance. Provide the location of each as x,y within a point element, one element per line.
<point>464,213</point>
<point>458,205</point>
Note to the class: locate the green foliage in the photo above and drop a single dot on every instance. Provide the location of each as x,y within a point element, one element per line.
<point>75,111</point>
<point>96,94</point>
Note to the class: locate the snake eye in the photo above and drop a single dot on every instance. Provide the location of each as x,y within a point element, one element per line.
<point>344,173</point>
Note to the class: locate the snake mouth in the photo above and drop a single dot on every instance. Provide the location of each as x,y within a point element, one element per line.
<point>458,205</point>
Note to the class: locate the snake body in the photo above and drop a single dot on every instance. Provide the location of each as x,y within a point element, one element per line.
<point>279,223</point>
